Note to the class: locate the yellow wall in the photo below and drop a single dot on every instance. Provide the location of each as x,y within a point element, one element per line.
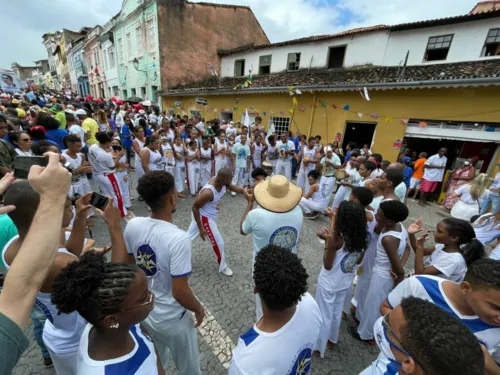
<point>464,104</point>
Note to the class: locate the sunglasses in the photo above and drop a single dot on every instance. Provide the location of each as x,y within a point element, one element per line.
<point>401,348</point>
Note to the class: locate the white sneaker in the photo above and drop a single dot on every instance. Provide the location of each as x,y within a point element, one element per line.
<point>227,271</point>
<point>233,194</point>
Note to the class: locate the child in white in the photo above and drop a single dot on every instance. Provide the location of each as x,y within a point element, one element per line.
<point>308,163</point>
<point>346,239</point>
<point>221,150</point>
<point>272,152</point>
<point>241,156</point>
<point>313,201</point>
<point>123,177</point>
<point>168,156</point>
<point>180,152</point>
<point>193,159</point>
<point>206,164</point>
<point>287,152</point>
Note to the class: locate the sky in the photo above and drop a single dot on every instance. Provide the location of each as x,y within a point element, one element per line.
<point>28,20</point>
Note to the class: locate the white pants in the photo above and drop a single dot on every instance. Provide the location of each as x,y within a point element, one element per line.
<point>302,180</point>
<point>339,197</point>
<point>64,364</point>
<point>379,289</point>
<point>180,176</point>
<point>193,177</point>
<point>330,305</point>
<point>308,206</point>
<point>109,185</point>
<point>364,278</point>
<point>205,172</point>
<point>240,177</point>
<point>214,237</point>
<point>284,168</point>
<point>220,163</point>
<point>177,338</point>
<point>349,299</point>
<point>327,184</point>
<point>125,187</point>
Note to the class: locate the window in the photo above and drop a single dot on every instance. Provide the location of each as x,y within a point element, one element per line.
<point>96,56</point>
<point>133,92</point>
<point>105,58</point>
<point>154,93</point>
<point>336,57</point>
<point>124,94</point>
<point>150,32</point>
<point>138,35</point>
<point>111,57</point>
<point>492,44</point>
<point>143,92</point>
<point>120,50</point>
<point>265,64</point>
<point>438,47</point>
<point>293,62</point>
<point>281,124</point>
<point>129,45</point>
<point>239,68</point>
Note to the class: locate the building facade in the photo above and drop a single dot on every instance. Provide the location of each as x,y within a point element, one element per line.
<point>50,43</point>
<point>419,85</point>
<point>94,59</point>
<point>78,68</point>
<point>109,58</point>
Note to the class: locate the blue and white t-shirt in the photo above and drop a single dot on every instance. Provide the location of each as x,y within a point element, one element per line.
<point>287,351</point>
<point>163,252</point>
<point>430,288</point>
<point>141,360</point>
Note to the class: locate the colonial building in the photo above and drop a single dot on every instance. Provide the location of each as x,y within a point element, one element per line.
<point>78,68</point>
<point>107,41</point>
<point>418,85</point>
<point>94,58</point>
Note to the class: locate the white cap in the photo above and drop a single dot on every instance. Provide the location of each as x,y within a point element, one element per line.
<point>81,112</point>
<point>231,123</point>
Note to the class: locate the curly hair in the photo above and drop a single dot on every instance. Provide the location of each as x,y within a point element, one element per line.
<point>484,273</point>
<point>92,286</point>
<point>350,224</point>
<point>154,186</point>
<point>394,210</point>
<point>439,341</point>
<point>280,277</point>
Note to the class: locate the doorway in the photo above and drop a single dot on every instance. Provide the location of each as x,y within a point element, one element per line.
<point>226,116</point>
<point>359,132</point>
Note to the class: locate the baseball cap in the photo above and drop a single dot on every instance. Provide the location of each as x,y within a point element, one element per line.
<point>81,112</point>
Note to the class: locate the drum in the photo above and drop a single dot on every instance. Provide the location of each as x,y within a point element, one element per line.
<point>340,174</point>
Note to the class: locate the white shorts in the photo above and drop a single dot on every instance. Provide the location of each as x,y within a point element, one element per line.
<point>415,183</point>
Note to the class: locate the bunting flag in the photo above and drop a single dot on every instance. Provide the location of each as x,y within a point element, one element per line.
<point>422,124</point>
<point>323,104</point>
<point>334,106</point>
<point>291,110</point>
<point>365,91</point>
<point>404,121</point>
<point>313,105</point>
<point>360,115</point>
<point>374,116</point>
<point>235,108</point>
<point>282,113</point>
<point>298,92</point>
<point>264,113</point>
<point>295,101</point>
<point>388,119</point>
<point>302,108</point>
<point>347,107</point>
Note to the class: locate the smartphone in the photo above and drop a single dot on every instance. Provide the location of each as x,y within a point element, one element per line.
<point>23,164</point>
<point>116,148</point>
<point>98,201</point>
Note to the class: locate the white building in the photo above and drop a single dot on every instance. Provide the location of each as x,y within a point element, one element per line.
<point>110,57</point>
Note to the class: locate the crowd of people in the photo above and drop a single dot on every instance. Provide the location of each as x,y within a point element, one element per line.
<point>133,313</point>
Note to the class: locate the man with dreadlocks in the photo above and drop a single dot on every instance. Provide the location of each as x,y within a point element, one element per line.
<point>475,302</point>
<point>346,240</point>
<point>281,342</point>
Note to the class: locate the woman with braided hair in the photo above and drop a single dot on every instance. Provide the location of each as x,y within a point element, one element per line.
<point>113,298</point>
<point>346,241</point>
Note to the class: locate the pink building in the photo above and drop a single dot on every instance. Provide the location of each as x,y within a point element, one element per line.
<point>95,65</point>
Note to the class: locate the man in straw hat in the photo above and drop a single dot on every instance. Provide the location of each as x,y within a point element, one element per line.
<point>277,221</point>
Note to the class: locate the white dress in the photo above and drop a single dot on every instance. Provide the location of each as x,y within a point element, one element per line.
<point>180,168</point>
<point>221,159</point>
<point>206,166</point>
<point>193,173</point>
<point>139,171</point>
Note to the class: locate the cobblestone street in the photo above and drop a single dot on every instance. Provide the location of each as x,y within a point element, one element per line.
<point>230,302</point>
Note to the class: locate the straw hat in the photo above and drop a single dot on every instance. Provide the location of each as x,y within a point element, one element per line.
<point>277,194</point>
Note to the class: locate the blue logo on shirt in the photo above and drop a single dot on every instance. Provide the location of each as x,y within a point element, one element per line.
<point>349,262</point>
<point>285,237</point>
<point>302,364</point>
<point>146,260</point>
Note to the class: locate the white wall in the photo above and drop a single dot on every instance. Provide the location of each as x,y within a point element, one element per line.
<point>361,49</point>
<point>467,44</point>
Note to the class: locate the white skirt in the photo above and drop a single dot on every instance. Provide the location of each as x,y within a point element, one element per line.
<point>464,211</point>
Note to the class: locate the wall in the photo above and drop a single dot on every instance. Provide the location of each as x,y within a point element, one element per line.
<point>439,104</point>
<point>190,35</point>
<point>467,44</point>
<point>110,67</point>
<point>361,49</point>
<point>133,15</point>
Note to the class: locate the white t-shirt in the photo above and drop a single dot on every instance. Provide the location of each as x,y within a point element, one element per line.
<point>464,192</point>
<point>400,191</point>
<point>451,265</point>
<point>432,174</point>
<point>201,127</point>
<point>78,131</point>
<point>329,171</point>
<point>287,146</point>
<point>163,252</point>
<point>341,275</point>
<point>286,351</point>
<point>376,173</point>
<point>430,288</point>
<point>230,130</point>
<point>101,161</point>
<point>272,228</point>
<point>141,360</point>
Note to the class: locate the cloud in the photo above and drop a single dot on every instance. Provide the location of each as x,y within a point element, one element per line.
<point>282,20</point>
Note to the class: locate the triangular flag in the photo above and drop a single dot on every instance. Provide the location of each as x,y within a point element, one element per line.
<point>367,97</point>
<point>347,107</point>
<point>404,121</point>
<point>422,124</point>
<point>294,101</point>
<point>290,110</point>
<point>291,93</point>
<point>323,104</point>
<point>282,113</point>
<point>264,113</point>
<point>375,116</point>
<point>298,92</point>
<point>313,105</point>
<point>388,119</point>
<point>302,108</point>
<point>362,94</point>
<point>290,88</point>
<point>334,106</point>
<point>360,115</point>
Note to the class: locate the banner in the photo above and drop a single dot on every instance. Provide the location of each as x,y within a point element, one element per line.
<point>9,81</point>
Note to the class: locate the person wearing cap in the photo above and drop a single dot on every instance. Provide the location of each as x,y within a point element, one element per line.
<point>287,153</point>
<point>278,220</point>
<point>231,129</point>
<point>21,113</point>
<point>89,125</point>
<point>57,111</point>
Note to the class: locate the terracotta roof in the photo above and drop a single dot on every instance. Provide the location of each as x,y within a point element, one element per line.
<point>314,38</point>
<point>362,75</point>
<point>447,20</point>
